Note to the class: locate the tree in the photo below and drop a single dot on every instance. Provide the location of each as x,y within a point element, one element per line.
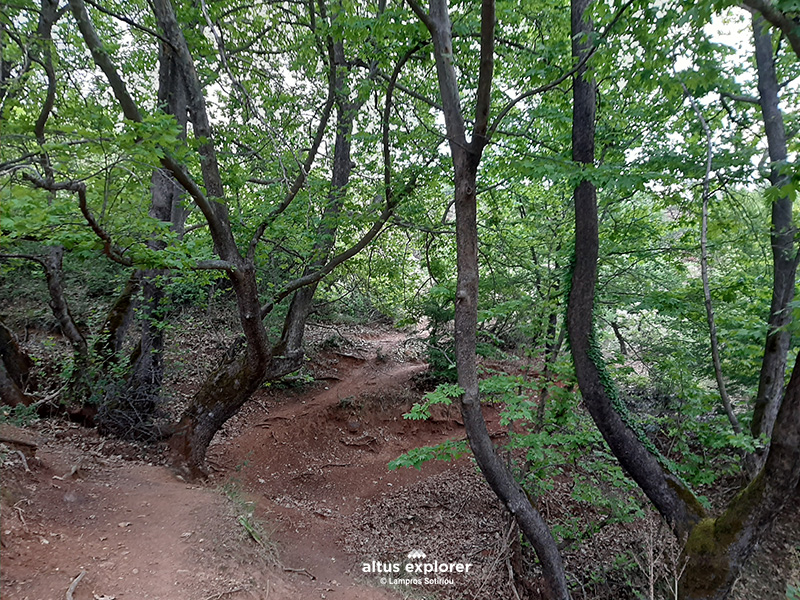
<point>177,166</point>
<point>715,547</point>
<point>784,255</point>
<point>466,160</point>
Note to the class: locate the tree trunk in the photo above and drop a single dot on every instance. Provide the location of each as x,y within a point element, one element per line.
<point>53,269</point>
<point>15,370</point>
<point>466,159</point>
<point>668,494</point>
<point>221,396</point>
<point>148,371</point>
<point>717,548</point>
<point>300,307</point>
<point>79,383</point>
<point>784,259</point>
<point>129,408</point>
<point>112,333</point>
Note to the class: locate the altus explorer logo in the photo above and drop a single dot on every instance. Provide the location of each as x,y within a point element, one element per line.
<point>416,570</point>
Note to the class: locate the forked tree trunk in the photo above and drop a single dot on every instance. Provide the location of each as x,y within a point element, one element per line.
<point>230,386</point>
<point>715,548</point>
<point>234,382</point>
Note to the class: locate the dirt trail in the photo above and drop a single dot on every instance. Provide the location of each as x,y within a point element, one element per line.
<point>309,458</point>
<point>306,468</point>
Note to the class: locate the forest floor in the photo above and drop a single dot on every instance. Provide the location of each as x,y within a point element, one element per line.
<point>298,501</point>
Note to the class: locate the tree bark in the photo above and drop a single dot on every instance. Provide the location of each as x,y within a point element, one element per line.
<point>53,269</point>
<point>112,333</point>
<point>668,494</point>
<point>222,394</point>
<point>466,159</point>
<point>784,255</point>
<point>15,370</point>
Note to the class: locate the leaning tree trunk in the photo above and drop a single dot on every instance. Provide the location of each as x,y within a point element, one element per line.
<point>233,383</point>
<point>466,160</point>
<point>715,548</point>
<point>220,397</point>
<point>670,497</point>
<point>784,255</point>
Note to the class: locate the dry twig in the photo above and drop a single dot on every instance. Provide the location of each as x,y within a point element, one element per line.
<point>74,585</point>
<point>302,571</point>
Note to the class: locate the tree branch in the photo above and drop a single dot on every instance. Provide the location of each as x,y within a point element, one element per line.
<point>37,259</point>
<point>330,266</point>
<point>306,166</point>
<point>78,187</point>
<point>549,86</point>
<point>387,159</point>
<point>788,26</point>
<point>483,101</point>
<point>421,14</point>
<point>130,22</point>
<point>102,59</point>
<point>740,98</point>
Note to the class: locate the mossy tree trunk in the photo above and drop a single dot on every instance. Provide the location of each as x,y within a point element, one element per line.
<point>716,548</point>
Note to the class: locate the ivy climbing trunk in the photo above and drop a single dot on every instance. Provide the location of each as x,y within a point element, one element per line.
<point>715,548</point>
<point>665,491</point>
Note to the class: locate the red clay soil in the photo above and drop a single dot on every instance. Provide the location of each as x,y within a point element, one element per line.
<point>308,458</point>
<point>304,469</point>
